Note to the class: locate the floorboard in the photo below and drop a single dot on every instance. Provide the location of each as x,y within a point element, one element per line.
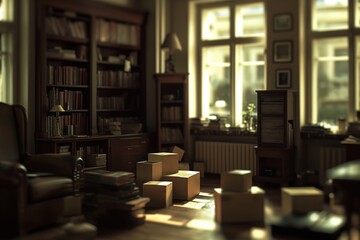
<point>189,220</point>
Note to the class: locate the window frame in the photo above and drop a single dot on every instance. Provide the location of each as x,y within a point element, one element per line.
<point>232,42</point>
<point>351,34</point>
<point>9,28</point>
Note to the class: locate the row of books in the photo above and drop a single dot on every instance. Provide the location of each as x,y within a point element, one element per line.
<point>104,124</point>
<point>78,120</point>
<point>68,99</point>
<point>115,32</point>
<point>171,134</point>
<point>64,149</point>
<point>173,113</point>
<point>67,75</point>
<point>113,102</point>
<point>117,79</point>
<point>61,26</point>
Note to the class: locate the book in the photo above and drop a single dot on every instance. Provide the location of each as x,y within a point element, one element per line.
<point>128,205</point>
<point>102,176</point>
<point>39,174</point>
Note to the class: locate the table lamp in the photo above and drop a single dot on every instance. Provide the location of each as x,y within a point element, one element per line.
<point>57,109</point>
<point>171,43</point>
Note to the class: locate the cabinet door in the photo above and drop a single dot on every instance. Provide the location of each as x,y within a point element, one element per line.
<point>126,152</point>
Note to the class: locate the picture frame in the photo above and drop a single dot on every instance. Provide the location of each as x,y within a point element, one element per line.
<point>282,22</point>
<point>282,51</point>
<point>283,78</point>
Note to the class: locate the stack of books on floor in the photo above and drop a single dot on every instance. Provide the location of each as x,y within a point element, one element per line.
<point>116,195</point>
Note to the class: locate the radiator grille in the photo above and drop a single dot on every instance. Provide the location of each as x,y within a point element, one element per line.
<point>330,157</point>
<point>224,156</point>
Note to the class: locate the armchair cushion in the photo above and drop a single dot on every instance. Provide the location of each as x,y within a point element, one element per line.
<point>46,188</point>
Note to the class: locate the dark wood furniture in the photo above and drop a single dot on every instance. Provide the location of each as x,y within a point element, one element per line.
<point>275,151</point>
<point>352,150</point>
<point>346,186</point>
<point>33,188</point>
<point>90,60</point>
<point>172,111</point>
<point>122,151</point>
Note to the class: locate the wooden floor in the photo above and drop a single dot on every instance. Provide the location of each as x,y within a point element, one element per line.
<point>190,220</point>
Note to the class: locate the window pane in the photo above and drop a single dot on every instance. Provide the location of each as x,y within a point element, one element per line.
<point>215,23</point>
<point>216,87</point>
<point>250,20</point>
<point>357,75</point>
<point>249,76</point>
<point>332,79</point>
<point>330,15</point>
<point>357,13</point>
<point>6,10</point>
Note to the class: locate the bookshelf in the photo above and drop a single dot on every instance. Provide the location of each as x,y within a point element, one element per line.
<point>172,111</point>
<point>90,60</point>
<point>275,148</point>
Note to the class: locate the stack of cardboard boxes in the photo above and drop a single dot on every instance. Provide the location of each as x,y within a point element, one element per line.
<point>237,201</point>
<point>161,180</point>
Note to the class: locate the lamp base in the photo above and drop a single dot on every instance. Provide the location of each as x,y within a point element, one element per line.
<point>170,68</point>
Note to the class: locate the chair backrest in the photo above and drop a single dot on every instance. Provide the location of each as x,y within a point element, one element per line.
<point>13,132</point>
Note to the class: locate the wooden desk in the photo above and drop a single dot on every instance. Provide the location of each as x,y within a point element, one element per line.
<point>346,182</point>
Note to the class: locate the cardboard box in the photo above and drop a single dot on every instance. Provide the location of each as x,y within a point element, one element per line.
<point>239,207</point>
<point>170,161</point>
<point>236,180</point>
<point>159,192</point>
<point>184,166</point>
<point>148,171</point>
<point>186,184</point>
<point>179,151</point>
<point>300,200</point>
<point>200,167</point>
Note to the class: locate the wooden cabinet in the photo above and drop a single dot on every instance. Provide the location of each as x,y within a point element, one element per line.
<point>126,152</point>
<point>90,60</point>
<point>122,152</point>
<point>82,147</point>
<point>172,111</point>
<point>275,118</point>
<point>275,151</point>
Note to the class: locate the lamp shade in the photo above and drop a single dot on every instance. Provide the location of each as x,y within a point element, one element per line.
<point>57,108</point>
<point>171,43</point>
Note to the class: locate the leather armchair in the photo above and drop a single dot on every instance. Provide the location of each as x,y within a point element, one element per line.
<point>32,187</point>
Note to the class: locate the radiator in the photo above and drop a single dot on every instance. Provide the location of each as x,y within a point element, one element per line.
<point>224,156</point>
<point>330,157</point>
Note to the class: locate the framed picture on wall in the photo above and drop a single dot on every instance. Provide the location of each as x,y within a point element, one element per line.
<point>282,22</point>
<point>282,51</point>
<point>283,78</point>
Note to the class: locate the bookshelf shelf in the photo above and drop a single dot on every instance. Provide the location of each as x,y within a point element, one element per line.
<point>82,47</point>
<point>172,111</point>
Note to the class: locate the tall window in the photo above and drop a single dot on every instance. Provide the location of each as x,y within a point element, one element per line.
<point>6,49</point>
<point>334,35</point>
<point>231,49</point>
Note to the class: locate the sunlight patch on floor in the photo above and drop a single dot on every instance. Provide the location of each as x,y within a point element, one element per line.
<point>165,219</point>
<point>201,224</point>
<point>258,233</point>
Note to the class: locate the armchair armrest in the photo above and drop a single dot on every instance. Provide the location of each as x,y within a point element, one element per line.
<point>58,164</point>
<point>11,174</point>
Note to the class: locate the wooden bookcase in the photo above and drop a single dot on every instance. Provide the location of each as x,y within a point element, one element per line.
<point>90,60</point>
<point>275,151</point>
<point>172,111</point>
